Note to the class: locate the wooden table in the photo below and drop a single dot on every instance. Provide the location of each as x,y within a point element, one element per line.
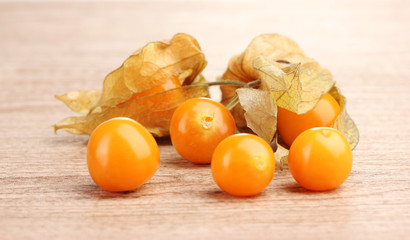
<point>51,48</point>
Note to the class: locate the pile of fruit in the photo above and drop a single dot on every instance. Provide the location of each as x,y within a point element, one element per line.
<point>278,107</point>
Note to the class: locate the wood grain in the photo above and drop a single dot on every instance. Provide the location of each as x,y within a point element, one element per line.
<point>50,48</point>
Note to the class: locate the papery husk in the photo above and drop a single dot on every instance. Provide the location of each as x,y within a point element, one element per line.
<point>145,68</point>
<point>260,112</point>
<point>151,111</point>
<point>273,47</point>
<point>281,153</point>
<point>294,87</point>
<point>344,123</point>
<point>80,101</point>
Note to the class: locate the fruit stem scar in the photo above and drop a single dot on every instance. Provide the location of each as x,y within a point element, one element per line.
<point>259,161</point>
<point>207,121</point>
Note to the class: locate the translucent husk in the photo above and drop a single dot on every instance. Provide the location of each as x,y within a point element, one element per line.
<point>145,68</point>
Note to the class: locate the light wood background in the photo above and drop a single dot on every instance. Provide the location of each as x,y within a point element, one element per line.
<point>53,47</point>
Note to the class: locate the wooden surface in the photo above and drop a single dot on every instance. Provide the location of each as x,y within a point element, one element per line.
<point>51,48</point>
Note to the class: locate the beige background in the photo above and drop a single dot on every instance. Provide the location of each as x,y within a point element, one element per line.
<point>53,47</point>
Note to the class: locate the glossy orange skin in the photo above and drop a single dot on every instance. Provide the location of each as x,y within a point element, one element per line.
<point>197,126</point>
<point>243,165</point>
<point>290,124</point>
<point>170,83</point>
<point>320,159</point>
<point>121,155</point>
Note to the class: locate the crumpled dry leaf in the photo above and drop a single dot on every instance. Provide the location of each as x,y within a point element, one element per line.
<point>80,101</point>
<point>281,153</point>
<point>281,157</point>
<point>146,68</point>
<point>272,46</point>
<point>294,87</point>
<point>260,112</point>
<point>344,122</point>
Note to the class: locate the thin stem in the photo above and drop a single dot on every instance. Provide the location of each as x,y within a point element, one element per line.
<point>235,100</point>
<point>219,83</point>
<point>253,83</point>
<point>229,82</point>
<point>232,103</point>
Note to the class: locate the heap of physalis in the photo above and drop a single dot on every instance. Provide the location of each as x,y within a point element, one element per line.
<point>286,101</point>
